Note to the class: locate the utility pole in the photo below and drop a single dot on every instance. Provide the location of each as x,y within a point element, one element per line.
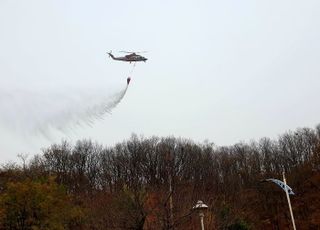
<point>169,172</point>
<point>171,201</point>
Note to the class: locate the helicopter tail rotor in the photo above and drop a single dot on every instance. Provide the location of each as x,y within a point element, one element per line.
<point>110,54</point>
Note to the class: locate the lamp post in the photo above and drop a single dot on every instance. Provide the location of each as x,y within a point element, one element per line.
<point>289,202</point>
<point>288,191</point>
<point>201,207</point>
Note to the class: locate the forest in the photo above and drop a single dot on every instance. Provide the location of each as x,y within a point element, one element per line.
<point>153,183</point>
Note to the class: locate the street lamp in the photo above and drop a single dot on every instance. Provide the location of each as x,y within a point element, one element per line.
<point>289,202</point>
<point>200,207</point>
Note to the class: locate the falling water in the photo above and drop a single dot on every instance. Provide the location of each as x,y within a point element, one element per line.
<point>42,111</point>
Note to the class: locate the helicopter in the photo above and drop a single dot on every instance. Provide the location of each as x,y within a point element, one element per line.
<point>130,57</point>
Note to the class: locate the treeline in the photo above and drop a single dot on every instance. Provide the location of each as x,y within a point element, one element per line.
<point>153,183</point>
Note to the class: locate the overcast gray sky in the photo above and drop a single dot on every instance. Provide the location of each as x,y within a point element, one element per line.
<point>226,71</point>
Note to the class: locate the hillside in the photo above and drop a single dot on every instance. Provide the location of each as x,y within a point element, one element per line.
<point>88,186</point>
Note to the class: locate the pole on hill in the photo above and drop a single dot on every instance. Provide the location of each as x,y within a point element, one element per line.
<point>289,202</point>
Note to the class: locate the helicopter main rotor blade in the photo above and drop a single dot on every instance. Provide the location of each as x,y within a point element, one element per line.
<point>129,52</point>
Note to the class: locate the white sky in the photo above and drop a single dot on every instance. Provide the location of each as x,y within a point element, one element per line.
<point>226,71</point>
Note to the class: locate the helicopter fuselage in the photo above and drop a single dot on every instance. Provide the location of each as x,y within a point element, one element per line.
<point>129,58</point>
